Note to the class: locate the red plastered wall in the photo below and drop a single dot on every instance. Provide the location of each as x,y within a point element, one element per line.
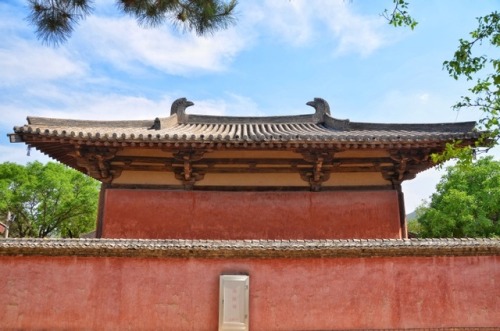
<point>113,293</point>
<point>161,214</point>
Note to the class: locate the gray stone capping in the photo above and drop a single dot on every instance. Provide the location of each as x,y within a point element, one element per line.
<point>182,248</point>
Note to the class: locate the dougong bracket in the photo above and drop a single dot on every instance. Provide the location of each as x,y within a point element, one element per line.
<point>319,173</point>
<point>96,162</point>
<point>185,172</point>
<point>406,165</point>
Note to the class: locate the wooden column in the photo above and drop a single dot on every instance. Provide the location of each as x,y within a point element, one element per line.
<point>100,210</point>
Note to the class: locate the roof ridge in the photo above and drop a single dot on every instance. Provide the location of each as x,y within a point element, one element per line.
<point>50,121</point>
<point>443,126</point>
<point>322,110</point>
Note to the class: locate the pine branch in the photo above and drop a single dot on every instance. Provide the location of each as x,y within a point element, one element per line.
<point>200,16</point>
<point>54,20</point>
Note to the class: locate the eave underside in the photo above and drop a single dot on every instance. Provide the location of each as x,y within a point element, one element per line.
<point>189,162</point>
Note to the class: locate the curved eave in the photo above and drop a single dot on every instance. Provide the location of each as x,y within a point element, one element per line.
<point>368,138</point>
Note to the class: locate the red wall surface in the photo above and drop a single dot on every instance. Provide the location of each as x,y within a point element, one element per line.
<point>161,214</point>
<point>117,293</point>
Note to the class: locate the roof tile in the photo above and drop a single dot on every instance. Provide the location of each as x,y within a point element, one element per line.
<point>196,128</point>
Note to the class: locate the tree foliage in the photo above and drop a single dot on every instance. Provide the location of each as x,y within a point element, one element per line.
<point>470,63</point>
<point>485,71</point>
<point>399,16</point>
<point>466,202</point>
<point>55,20</point>
<point>47,200</point>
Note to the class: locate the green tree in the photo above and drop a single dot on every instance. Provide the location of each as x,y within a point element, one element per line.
<point>484,70</point>
<point>54,20</point>
<point>466,202</point>
<point>468,62</point>
<point>47,200</point>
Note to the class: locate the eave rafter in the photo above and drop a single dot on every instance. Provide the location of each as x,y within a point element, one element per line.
<point>290,145</point>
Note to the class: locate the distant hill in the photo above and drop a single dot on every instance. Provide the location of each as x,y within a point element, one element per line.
<point>411,216</point>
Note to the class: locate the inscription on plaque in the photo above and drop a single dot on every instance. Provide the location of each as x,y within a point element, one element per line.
<point>233,305</point>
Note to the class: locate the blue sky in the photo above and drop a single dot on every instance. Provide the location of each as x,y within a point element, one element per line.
<point>279,55</point>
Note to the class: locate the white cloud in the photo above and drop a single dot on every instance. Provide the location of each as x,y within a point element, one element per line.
<point>85,105</point>
<point>231,105</point>
<point>82,105</point>
<point>124,44</point>
<point>22,61</point>
<point>291,20</point>
<point>424,97</point>
<point>414,106</point>
<point>98,107</point>
<point>356,34</point>
<point>300,22</point>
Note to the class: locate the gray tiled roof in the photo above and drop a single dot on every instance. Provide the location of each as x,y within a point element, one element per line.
<point>182,127</point>
<point>250,248</point>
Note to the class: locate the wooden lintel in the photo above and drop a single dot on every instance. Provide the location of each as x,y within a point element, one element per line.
<point>256,161</point>
<point>251,169</point>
